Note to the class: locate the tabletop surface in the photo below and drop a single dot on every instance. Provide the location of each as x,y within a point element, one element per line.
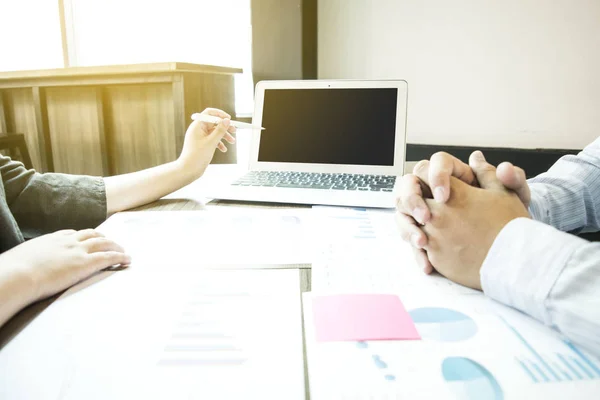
<point>188,198</point>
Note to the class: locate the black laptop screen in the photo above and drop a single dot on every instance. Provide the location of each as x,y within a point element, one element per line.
<point>329,126</point>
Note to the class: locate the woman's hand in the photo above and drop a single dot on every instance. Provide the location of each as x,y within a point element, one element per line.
<point>201,139</point>
<point>55,262</point>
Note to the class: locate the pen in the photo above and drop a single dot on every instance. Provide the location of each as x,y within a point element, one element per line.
<point>216,120</point>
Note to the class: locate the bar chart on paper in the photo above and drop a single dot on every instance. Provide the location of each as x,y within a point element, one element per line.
<point>567,363</point>
<point>202,337</point>
<point>232,332</point>
<point>356,224</point>
<point>357,249</point>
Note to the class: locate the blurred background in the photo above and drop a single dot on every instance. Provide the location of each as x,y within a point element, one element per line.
<point>517,74</point>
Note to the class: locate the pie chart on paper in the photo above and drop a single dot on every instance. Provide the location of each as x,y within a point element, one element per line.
<point>470,380</point>
<point>443,324</point>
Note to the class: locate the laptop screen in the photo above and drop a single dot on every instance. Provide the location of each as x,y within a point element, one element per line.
<point>354,126</point>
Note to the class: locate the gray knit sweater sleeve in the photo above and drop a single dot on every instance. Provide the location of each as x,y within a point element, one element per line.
<point>44,203</point>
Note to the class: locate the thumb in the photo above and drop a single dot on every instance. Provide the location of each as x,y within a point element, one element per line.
<point>485,173</point>
<point>514,178</point>
<point>220,130</point>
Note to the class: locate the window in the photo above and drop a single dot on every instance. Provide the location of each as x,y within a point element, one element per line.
<point>107,32</point>
<point>30,35</point>
<point>215,32</point>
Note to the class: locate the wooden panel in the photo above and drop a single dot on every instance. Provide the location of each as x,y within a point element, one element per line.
<point>276,39</point>
<point>43,132</point>
<point>105,156</point>
<point>3,128</point>
<point>117,70</point>
<point>146,111</point>
<point>218,91</point>
<point>84,81</point>
<point>76,130</point>
<point>19,112</point>
<point>180,118</point>
<point>310,38</point>
<point>139,124</point>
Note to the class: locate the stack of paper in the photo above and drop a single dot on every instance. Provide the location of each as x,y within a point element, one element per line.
<point>225,236</point>
<point>143,334</point>
<point>471,348</point>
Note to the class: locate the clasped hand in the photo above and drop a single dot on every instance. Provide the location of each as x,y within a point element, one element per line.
<point>452,212</point>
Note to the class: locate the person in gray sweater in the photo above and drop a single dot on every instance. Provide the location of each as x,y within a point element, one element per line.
<point>47,240</point>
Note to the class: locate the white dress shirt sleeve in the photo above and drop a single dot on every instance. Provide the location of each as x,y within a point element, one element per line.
<point>551,275</point>
<point>568,195</point>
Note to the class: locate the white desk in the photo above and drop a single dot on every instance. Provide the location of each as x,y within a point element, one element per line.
<point>52,347</point>
<point>468,332</point>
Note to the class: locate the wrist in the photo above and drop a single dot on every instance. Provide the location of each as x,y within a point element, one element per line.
<point>18,280</point>
<point>187,169</point>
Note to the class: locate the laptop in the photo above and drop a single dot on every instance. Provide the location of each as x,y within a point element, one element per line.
<point>324,143</point>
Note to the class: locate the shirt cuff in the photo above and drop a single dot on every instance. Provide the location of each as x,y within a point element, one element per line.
<point>523,264</point>
<point>537,208</point>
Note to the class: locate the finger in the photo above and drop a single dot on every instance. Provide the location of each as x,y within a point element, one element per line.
<point>66,232</point>
<point>485,173</point>
<point>206,127</point>
<point>441,167</point>
<point>222,147</point>
<point>514,178</point>
<point>410,200</point>
<point>409,231</point>
<point>216,113</point>
<point>220,130</point>
<point>211,127</point>
<point>86,234</point>
<point>421,171</point>
<point>97,244</point>
<point>423,261</point>
<point>230,139</point>
<point>105,259</point>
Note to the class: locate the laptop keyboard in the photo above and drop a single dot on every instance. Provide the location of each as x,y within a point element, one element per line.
<point>312,180</point>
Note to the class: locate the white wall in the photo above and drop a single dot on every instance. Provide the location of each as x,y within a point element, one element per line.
<point>510,73</point>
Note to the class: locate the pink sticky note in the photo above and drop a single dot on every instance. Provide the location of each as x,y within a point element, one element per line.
<point>350,317</point>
